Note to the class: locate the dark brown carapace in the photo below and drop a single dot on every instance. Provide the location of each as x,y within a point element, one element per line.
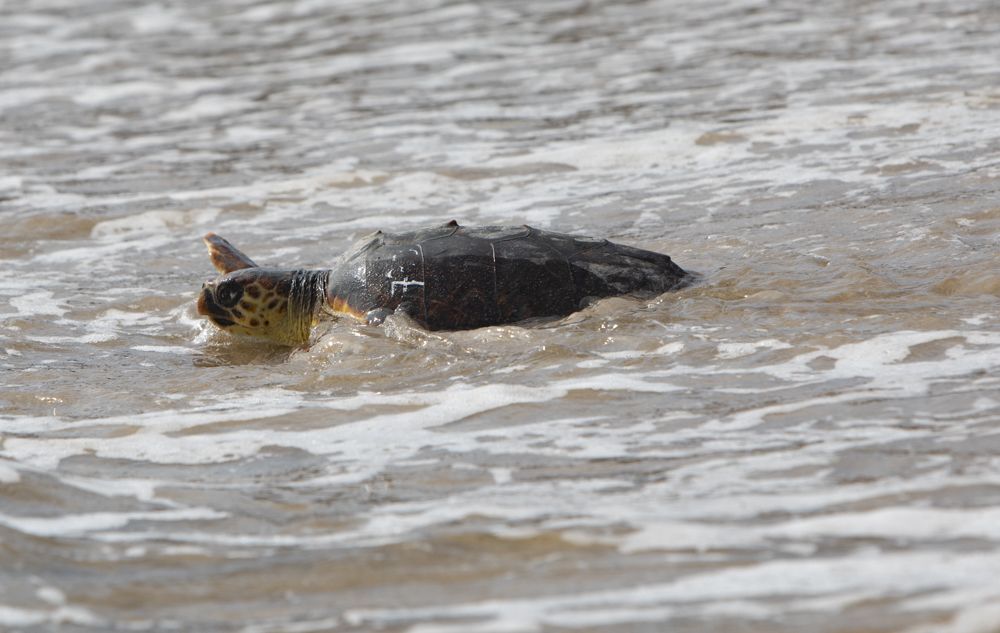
<point>445,278</point>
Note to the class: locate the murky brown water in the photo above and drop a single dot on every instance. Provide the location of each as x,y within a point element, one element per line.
<point>806,440</point>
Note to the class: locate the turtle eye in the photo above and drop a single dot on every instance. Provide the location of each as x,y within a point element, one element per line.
<point>228,293</point>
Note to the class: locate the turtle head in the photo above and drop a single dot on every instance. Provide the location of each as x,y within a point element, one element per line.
<point>277,305</point>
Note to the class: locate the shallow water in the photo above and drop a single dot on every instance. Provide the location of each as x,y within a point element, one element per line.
<point>805,440</point>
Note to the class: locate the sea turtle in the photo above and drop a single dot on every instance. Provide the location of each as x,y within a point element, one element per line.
<point>447,277</point>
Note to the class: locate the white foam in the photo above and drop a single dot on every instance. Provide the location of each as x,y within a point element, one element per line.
<point>733,350</point>
<point>252,134</point>
<point>52,595</point>
<point>14,97</point>
<point>364,438</point>
<point>10,183</point>
<point>669,349</point>
<point>140,489</point>
<point>19,617</point>
<point>155,19</point>
<point>501,475</point>
<point>208,106</point>
<point>894,524</point>
<point>748,591</point>
<point>153,222</point>
<point>99,95</point>
<point>8,474</point>
<point>977,320</point>
<point>105,255</point>
<point>38,303</point>
<point>76,525</point>
<point>878,360</point>
<point>165,349</point>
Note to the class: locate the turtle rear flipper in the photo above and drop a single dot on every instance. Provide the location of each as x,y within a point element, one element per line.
<point>225,257</point>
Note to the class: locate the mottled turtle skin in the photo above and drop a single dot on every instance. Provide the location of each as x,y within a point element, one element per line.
<point>448,277</point>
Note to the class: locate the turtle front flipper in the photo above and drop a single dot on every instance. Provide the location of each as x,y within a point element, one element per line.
<point>377,316</point>
<point>225,257</point>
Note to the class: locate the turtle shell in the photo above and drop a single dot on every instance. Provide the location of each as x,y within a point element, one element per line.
<point>453,277</point>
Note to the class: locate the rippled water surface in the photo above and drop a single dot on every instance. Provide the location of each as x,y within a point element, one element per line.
<point>807,440</point>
